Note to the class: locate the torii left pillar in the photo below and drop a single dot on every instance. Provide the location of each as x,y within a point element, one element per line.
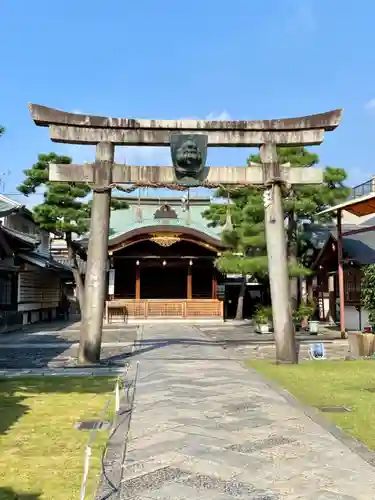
<point>97,257</point>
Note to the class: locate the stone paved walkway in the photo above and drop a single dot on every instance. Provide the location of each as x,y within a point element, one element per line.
<point>244,343</point>
<point>55,346</point>
<point>203,427</point>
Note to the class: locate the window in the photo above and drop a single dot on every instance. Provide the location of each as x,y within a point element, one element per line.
<point>6,284</point>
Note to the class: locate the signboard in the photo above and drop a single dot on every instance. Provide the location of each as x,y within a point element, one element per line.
<point>220,292</point>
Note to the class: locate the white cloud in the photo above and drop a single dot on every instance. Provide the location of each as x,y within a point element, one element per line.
<point>370,105</point>
<point>224,115</point>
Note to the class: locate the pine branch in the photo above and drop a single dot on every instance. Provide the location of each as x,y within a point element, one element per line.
<point>303,203</point>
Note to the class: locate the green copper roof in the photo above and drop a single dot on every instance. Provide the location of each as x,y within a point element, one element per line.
<point>123,221</point>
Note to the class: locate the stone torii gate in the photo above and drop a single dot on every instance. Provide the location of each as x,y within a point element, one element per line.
<point>103,175</point>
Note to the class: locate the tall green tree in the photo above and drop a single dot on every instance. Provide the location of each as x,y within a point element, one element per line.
<point>65,209</point>
<point>302,203</point>
<point>245,239</point>
<point>2,130</point>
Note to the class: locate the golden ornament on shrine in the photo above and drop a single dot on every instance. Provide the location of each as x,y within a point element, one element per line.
<point>165,240</point>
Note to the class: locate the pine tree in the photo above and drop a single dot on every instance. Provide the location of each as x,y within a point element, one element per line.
<point>65,208</point>
<point>302,203</point>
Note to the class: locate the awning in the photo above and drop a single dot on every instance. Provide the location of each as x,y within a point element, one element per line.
<point>363,205</point>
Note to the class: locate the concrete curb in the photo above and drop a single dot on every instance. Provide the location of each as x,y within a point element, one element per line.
<point>109,484</point>
<point>61,372</point>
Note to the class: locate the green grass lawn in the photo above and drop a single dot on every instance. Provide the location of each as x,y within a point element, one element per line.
<point>41,453</point>
<point>332,383</point>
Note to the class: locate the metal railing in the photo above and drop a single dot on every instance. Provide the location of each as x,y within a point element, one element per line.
<point>362,189</point>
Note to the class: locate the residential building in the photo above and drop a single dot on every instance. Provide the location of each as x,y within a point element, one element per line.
<point>31,281</point>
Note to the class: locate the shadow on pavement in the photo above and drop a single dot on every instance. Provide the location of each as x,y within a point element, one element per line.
<point>24,352</point>
<point>147,345</point>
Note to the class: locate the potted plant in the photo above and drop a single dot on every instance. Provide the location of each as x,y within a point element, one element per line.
<point>263,316</point>
<point>305,313</point>
<point>362,344</point>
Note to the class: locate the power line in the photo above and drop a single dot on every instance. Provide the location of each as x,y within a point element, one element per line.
<point>21,194</point>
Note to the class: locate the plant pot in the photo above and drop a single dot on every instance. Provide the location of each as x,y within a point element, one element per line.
<point>361,344</point>
<point>264,328</point>
<point>314,327</point>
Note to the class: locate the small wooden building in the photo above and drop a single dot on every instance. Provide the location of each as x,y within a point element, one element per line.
<point>358,251</point>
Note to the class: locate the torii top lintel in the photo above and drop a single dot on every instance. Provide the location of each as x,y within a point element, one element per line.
<point>72,128</point>
<point>45,116</point>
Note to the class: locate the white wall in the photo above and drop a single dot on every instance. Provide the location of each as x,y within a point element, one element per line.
<point>20,223</point>
<point>37,289</point>
<point>352,319</point>
<point>348,218</point>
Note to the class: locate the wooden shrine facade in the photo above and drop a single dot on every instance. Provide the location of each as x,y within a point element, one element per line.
<point>358,251</point>
<point>163,271</point>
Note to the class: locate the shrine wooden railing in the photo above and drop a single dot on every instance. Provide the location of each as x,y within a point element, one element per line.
<point>122,309</point>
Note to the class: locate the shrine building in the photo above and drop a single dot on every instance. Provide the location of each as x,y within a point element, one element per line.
<point>162,256</point>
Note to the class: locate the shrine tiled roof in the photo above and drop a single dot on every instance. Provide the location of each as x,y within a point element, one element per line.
<point>45,261</point>
<point>7,206</point>
<point>359,247</point>
<point>143,215</point>
<point>20,236</point>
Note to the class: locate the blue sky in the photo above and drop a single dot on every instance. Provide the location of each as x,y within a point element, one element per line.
<point>244,59</point>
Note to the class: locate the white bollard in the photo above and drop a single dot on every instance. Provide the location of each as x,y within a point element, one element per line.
<point>117,397</point>
<point>85,472</point>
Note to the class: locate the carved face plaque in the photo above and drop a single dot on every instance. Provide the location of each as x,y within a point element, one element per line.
<point>189,153</point>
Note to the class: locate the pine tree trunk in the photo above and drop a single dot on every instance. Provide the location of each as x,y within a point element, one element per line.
<point>292,257</point>
<point>80,289</point>
<point>309,288</point>
<point>241,297</point>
